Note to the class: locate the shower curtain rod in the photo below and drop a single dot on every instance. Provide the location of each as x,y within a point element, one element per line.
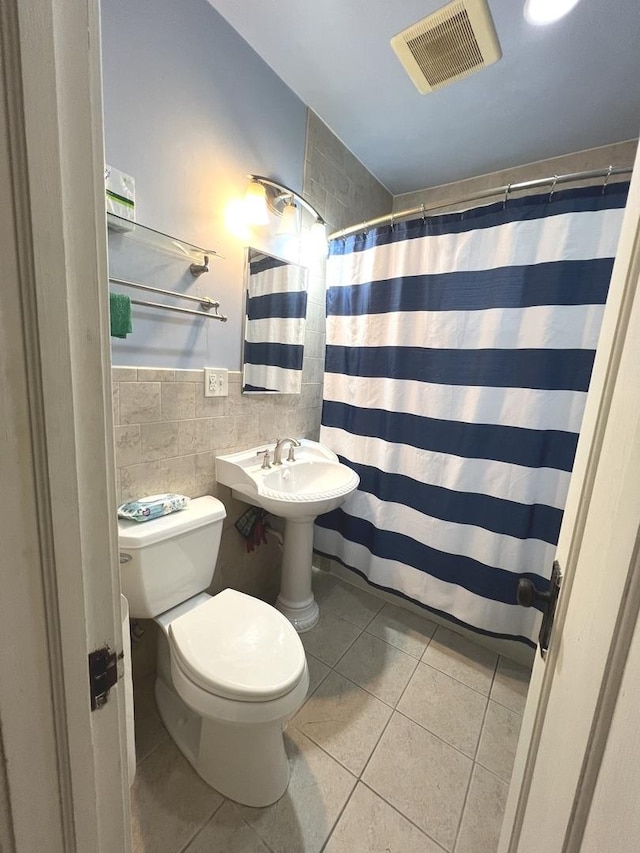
<point>505,190</point>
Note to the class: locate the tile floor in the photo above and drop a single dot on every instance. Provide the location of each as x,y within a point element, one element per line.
<point>404,745</point>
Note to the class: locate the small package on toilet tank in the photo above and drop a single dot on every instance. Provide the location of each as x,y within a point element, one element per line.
<point>154,506</point>
<point>121,198</point>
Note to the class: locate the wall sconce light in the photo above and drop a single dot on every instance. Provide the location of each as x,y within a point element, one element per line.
<point>283,202</point>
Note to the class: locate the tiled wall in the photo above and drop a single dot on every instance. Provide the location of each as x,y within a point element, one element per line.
<point>167,435</point>
<point>336,183</point>
<point>618,154</point>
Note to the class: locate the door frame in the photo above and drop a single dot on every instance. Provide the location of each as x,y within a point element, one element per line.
<point>63,781</point>
<point>560,812</point>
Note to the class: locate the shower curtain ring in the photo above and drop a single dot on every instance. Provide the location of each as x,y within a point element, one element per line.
<point>392,218</point>
<point>553,186</point>
<point>424,212</point>
<point>506,196</point>
<point>606,178</point>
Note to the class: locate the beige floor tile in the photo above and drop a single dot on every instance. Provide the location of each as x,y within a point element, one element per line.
<point>483,813</point>
<point>149,728</point>
<point>349,602</point>
<point>318,671</point>
<point>403,629</point>
<point>511,684</point>
<point>344,720</point>
<point>421,776</point>
<point>369,825</point>
<point>448,708</point>
<point>378,667</point>
<point>330,638</point>
<point>322,583</point>
<point>461,659</point>
<point>226,832</point>
<point>301,820</point>
<point>169,802</point>
<point>499,739</point>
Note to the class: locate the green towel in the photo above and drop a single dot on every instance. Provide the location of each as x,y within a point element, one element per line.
<point>120,311</point>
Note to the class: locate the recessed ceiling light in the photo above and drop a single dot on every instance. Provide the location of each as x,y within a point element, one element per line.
<point>541,12</point>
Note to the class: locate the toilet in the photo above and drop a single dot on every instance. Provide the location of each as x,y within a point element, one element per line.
<point>231,668</point>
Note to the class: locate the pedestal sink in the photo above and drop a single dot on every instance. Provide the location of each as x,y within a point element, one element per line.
<point>298,491</point>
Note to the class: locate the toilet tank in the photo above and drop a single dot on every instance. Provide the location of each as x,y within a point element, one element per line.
<point>170,559</point>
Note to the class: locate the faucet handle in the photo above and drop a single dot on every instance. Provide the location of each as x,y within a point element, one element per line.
<point>291,456</point>
<point>266,461</point>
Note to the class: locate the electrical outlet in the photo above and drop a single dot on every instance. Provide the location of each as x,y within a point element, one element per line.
<point>216,382</point>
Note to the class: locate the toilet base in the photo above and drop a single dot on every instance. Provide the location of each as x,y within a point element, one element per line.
<point>246,763</point>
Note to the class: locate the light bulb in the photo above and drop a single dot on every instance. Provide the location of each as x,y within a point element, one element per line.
<point>319,237</point>
<point>541,12</point>
<point>255,204</point>
<point>289,223</point>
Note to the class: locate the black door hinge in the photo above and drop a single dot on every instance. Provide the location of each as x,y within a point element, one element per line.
<point>103,674</point>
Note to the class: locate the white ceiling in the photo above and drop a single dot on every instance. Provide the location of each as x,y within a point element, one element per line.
<point>557,89</point>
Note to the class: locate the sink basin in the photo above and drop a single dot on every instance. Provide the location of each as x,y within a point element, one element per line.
<point>314,484</point>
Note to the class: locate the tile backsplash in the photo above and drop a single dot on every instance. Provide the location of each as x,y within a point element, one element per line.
<point>167,435</point>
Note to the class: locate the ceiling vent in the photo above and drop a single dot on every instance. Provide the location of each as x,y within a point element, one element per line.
<point>450,44</point>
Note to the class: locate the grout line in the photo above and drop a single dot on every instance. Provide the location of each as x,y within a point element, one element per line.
<point>453,678</point>
<point>207,821</point>
<point>402,814</point>
<point>463,809</point>
<point>339,817</point>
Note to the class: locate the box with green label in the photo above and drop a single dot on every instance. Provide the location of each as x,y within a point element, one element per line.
<point>121,197</point>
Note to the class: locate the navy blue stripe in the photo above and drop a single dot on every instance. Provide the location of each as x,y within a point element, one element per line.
<point>268,263</point>
<point>488,216</point>
<point>472,575</point>
<point>516,445</point>
<point>442,613</point>
<point>286,305</point>
<point>556,283</point>
<point>288,356</point>
<point>522,521</point>
<point>547,369</point>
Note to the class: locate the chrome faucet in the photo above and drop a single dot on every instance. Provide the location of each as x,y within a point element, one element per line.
<point>277,453</point>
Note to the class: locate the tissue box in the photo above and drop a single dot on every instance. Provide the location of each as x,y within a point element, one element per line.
<point>121,197</point>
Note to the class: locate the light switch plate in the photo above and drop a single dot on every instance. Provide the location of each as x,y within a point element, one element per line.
<point>216,382</point>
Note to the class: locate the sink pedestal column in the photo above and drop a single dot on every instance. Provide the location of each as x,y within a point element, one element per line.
<point>296,599</point>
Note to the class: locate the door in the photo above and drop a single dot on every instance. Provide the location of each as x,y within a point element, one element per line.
<point>63,782</point>
<point>574,691</point>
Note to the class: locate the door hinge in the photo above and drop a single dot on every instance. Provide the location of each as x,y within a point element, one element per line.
<point>103,674</point>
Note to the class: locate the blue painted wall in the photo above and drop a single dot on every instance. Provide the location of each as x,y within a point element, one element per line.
<point>189,110</point>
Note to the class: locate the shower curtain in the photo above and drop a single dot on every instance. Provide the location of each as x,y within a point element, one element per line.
<point>459,353</point>
<point>274,326</point>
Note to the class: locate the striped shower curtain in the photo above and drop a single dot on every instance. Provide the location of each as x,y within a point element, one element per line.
<point>274,326</point>
<point>459,353</point>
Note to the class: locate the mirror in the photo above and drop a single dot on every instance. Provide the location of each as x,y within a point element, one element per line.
<point>274,325</point>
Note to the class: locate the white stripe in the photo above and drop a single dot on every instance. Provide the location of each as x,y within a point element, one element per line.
<point>476,476</point>
<point>529,408</point>
<point>278,378</point>
<point>565,237</point>
<point>539,327</point>
<point>464,540</point>
<point>474,610</point>
<point>280,330</point>
<point>290,278</point>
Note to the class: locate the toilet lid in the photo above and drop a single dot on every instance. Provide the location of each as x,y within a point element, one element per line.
<point>238,647</point>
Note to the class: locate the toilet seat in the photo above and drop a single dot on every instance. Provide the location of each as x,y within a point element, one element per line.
<point>239,648</point>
